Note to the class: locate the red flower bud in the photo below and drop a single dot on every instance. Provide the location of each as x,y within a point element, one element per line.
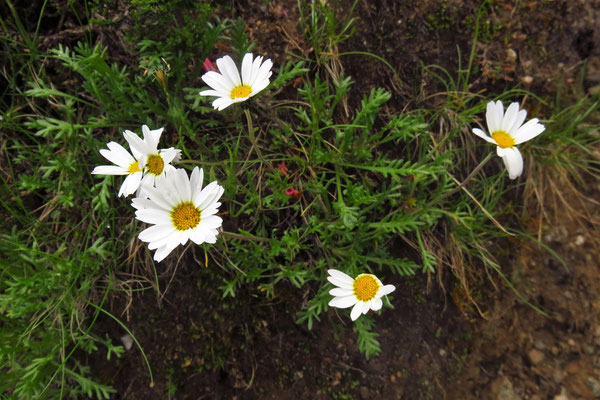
<point>208,66</point>
<point>293,193</point>
<point>282,167</point>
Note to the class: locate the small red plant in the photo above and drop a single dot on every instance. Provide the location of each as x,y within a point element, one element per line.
<point>293,193</point>
<point>208,66</point>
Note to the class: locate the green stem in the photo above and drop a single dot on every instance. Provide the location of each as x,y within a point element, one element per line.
<point>251,134</point>
<point>463,183</point>
<point>244,237</point>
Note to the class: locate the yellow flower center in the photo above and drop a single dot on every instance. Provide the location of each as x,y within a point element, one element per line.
<point>155,164</point>
<point>185,216</point>
<point>240,91</point>
<point>503,139</point>
<point>134,167</point>
<point>365,287</point>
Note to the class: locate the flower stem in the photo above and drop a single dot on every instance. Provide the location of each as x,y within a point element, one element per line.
<point>243,237</point>
<point>251,135</point>
<point>463,183</point>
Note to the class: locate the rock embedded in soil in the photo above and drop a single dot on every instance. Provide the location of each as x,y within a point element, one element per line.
<point>588,349</point>
<point>535,356</point>
<point>572,368</point>
<point>502,389</point>
<point>594,385</point>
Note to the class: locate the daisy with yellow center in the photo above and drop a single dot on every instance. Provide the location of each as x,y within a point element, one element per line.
<point>363,292</point>
<point>507,131</point>
<point>180,210</point>
<point>156,161</point>
<point>229,87</point>
<point>125,164</point>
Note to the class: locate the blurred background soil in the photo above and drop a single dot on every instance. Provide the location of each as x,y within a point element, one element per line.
<point>435,343</point>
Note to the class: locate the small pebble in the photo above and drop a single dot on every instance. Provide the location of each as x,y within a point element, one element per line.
<point>588,349</point>
<point>127,341</point>
<point>579,240</point>
<point>558,376</point>
<point>527,80</point>
<point>562,395</point>
<point>571,342</point>
<point>572,368</point>
<point>538,344</point>
<point>535,356</point>
<point>594,385</point>
<point>568,295</point>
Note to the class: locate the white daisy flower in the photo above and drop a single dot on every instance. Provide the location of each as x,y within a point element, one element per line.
<point>156,162</point>
<point>363,292</point>
<point>227,85</point>
<point>125,164</point>
<point>179,209</point>
<point>507,131</point>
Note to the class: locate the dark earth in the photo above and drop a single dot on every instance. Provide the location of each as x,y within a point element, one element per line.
<point>439,342</point>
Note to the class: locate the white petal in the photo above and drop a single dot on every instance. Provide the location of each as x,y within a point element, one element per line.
<point>183,236</point>
<point>211,193</point>
<point>254,70</point>
<point>262,75</point>
<point>131,184</point>
<point>376,304</point>
<point>217,81</point>
<point>528,131</point>
<point>211,222</point>
<point>494,115</point>
<point>117,155</point>
<point>196,181</point>
<point>212,93</point>
<point>169,154</point>
<point>356,311</point>
<point>156,232</point>
<point>154,134</point>
<point>197,236</point>
<point>135,142</point>
<point>148,137</point>
<point>157,197</point>
<point>153,216</point>
<point>510,117</point>
<point>140,203</point>
<point>339,283</point>
<point>246,68</point>
<point>228,69</point>
<point>222,103</point>
<point>162,252</point>
<point>210,237</point>
<point>341,276</point>
<point>342,302</point>
<point>340,292</point>
<point>366,307</point>
<point>518,122</point>
<point>181,184</point>
<point>385,290</point>
<point>171,241</point>
<point>109,170</point>
<point>513,160</point>
<point>483,135</point>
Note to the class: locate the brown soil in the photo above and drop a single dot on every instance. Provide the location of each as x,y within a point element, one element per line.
<point>200,346</point>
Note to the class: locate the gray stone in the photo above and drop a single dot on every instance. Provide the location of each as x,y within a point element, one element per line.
<point>502,389</point>
<point>594,385</point>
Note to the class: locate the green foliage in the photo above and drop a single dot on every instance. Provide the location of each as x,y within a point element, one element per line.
<point>367,339</point>
<point>325,26</point>
<point>376,191</point>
